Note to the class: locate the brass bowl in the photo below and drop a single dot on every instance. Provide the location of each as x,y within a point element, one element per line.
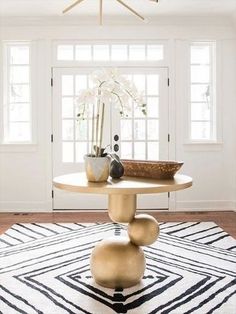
<point>151,169</point>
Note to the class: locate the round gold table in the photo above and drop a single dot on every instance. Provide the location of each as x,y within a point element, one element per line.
<point>119,262</point>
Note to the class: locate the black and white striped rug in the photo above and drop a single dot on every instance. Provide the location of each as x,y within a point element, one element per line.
<point>44,268</point>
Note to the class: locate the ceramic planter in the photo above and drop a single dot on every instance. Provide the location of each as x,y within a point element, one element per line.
<point>97,168</point>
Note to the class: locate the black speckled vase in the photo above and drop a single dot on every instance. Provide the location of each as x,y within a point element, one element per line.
<point>116,169</point>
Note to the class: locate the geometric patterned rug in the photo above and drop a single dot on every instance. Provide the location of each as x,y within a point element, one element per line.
<point>44,268</point>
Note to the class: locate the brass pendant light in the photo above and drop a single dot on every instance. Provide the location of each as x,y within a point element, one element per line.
<point>101,8</point>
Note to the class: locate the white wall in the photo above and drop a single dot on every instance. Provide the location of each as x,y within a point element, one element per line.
<point>25,173</point>
<point>25,180</point>
<point>212,166</point>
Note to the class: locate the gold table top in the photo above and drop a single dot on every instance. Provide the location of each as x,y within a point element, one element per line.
<point>77,182</point>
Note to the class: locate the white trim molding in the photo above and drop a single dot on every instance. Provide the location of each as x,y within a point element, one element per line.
<point>31,207</point>
<point>211,205</point>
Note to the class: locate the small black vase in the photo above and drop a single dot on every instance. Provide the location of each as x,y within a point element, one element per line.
<point>116,169</point>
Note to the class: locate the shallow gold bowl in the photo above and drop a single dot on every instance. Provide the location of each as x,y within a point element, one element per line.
<point>151,169</point>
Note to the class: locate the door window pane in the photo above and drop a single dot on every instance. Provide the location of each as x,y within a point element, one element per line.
<point>153,84</point>
<point>140,150</point>
<point>67,85</point>
<point>131,108</point>
<point>153,107</point>
<point>67,152</point>
<point>81,82</point>
<point>137,112</point>
<point>82,130</point>
<point>139,82</point>
<point>153,150</point>
<point>126,150</point>
<point>139,130</point>
<point>88,111</point>
<point>67,107</point>
<point>153,129</point>
<point>81,150</point>
<point>68,130</point>
<point>126,129</point>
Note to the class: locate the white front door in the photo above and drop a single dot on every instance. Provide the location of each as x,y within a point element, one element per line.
<point>139,136</point>
<point>145,137</point>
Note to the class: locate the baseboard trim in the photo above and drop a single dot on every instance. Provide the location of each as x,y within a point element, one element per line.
<point>205,206</point>
<point>39,207</point>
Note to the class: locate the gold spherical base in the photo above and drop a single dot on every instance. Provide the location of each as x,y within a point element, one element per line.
<point>117,263</point>
<point>143,230</point>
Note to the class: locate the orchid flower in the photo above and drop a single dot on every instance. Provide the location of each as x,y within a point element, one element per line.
<point>109,88</point>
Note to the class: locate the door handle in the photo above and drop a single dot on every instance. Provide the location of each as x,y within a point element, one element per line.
<point>116,147</point>
<point>116,138</point>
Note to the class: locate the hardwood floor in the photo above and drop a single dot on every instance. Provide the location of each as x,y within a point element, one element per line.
<point>225,219</point>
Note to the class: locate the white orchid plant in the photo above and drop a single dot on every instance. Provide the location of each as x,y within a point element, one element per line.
<point>109,88</point>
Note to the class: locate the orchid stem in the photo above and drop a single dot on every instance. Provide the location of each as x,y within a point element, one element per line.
<point>97,123</point>
<point>93,126</point>
<point>101,130</point>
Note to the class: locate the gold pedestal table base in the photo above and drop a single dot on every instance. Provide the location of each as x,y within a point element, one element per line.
<point>119,262</point>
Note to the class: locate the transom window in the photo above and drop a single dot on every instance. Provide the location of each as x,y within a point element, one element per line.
<point>17,93</point>
<point>202,95</point>
<point>110,52</point>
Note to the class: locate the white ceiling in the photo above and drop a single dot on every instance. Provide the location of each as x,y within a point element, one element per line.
<point>44,8</point>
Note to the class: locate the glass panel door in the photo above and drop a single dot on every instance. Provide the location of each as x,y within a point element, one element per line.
<point>139,136</point>
<point>71,136</point>
<point>145,137</point>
